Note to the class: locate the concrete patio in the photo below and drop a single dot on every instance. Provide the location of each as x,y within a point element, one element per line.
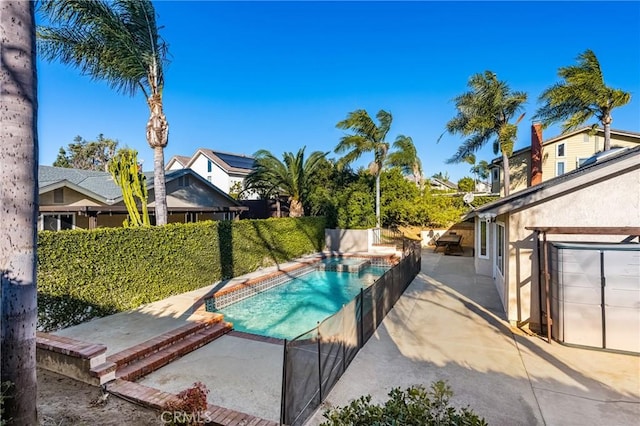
<point>448,325</point>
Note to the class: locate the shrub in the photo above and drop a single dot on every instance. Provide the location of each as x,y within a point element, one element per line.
<point>88,273</point>
<point>413,406</point>
<point>467,184</point>
<point>189,409</point>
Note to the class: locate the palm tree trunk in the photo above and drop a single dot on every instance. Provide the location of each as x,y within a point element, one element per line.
<point>607,132</point>
<point>378,200</point>
<point>157,137</point>
<point>505,171</point>
<point>295,208</point>
<point>159,188</point>
<point>19,195</point>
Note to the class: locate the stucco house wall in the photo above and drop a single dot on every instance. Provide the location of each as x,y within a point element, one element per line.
<point>588,206</point>
<point>216,176</point>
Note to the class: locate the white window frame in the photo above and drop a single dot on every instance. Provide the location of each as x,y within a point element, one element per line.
<point>586,138</point>
<point>500,247</point>
<point>564,148</point>
<point>564,167</point>
<point>42,216</point>
<point>482,223</point>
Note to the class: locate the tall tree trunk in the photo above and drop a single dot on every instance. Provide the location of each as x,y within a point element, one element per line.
<point>295,208</point>
<point>159,187</point>
<point>157,137</point>
<point>378,200</point>
<point>607,132</point>
<point>18,217</point>
<point>505,171</point>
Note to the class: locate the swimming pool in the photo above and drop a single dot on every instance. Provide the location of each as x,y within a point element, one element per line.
<point>297,306</point>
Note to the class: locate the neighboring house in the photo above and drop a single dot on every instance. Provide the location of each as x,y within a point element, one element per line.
<point>544,160</point>
<point>442,184</point>
<point>177,162</point>
<point>483,187</point>
<point>601,196</point>
<point>225,170</point>
<point>72,198</point>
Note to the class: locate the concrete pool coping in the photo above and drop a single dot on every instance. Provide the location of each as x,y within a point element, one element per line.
<point>235,289</point>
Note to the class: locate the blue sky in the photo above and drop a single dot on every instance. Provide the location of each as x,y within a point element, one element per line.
<point>246,76</point>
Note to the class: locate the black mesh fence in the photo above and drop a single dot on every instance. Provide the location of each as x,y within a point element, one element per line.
<point>314,361</point>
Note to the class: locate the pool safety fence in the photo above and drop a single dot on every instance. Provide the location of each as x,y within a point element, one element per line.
<point>315,360</point>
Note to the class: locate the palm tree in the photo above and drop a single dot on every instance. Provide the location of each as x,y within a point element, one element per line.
<point>19,195</point>
<point>484,113</point>
<point>366,137</point>
<point>479,170</point>
<point>291,177</point>
<point>118,42</point>
<point>406,158</point>
<point>580,96</point>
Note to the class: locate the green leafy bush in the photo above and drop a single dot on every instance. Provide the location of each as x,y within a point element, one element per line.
<point>413,406</point>
<point>88,273</point>
<point>466,184</point>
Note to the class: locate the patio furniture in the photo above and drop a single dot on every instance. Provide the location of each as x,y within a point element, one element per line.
<point>449,242</point>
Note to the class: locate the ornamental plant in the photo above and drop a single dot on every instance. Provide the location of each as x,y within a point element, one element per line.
<point>412,406</point>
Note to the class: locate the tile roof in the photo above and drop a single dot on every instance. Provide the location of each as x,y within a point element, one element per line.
<point>101,183</point>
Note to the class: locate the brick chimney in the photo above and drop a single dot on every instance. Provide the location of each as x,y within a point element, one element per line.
<point>536,154</point>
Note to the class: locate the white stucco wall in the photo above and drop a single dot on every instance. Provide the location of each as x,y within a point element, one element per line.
<point>348,240</point>
<point>613,202</point>
<point>219,177</point>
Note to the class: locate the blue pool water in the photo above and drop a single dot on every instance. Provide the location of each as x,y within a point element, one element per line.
<point>292,308</point>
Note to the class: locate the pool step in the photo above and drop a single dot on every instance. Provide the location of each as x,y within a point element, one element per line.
<point>155,353</point>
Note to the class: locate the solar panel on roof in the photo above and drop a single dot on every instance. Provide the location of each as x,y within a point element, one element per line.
<point>236,160</point>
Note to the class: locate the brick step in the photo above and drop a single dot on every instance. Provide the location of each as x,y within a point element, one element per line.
<point>158,399</point>
<point>162,357</point>
<point>157,343</point>
<point>105,371</point>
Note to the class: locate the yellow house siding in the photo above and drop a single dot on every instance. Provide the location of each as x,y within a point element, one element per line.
<point>70,198</point>
<point>579,146</point>
<point>576,147</point>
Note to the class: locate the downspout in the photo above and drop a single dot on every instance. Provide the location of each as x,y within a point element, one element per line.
<point>546,284</point>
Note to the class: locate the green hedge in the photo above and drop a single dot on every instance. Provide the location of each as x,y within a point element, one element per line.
<point>83,274</point>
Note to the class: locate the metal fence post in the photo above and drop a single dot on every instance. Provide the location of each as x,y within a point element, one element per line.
<point>319,363</point>
<point>283,395</point>
<point>361,318</point>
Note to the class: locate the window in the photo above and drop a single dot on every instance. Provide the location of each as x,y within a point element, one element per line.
<point>209,166</point>
<point>58,196</point>
<point>559,168</point>
<point>579,161</point>
<point>483,237</point>
<point>586,137</point>
<point>183,180</point>
<point>190,217</point>
<point>500,248</point>
<point>56,222</point>
<point>561,150</point>
<point>209,178</point>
